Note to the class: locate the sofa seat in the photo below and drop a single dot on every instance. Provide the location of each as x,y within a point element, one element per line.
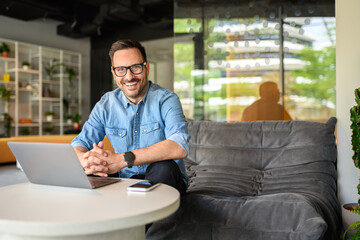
<point>258,180</point>
<point>6,156</point>
<point>269,217</point>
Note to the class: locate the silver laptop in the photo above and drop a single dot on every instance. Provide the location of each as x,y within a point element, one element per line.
<point>54,164</point>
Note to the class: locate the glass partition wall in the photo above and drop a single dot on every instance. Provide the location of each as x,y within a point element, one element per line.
<point>255,60</point>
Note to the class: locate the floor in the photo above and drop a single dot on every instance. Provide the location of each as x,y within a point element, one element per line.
<point>10,174</point>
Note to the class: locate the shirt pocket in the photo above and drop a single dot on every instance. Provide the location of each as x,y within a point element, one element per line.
<point>117,137</point>
<point>151,133</point>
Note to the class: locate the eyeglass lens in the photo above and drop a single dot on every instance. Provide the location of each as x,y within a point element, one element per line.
<point>135,69</point>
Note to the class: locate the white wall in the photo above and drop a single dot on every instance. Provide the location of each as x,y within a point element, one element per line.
<point>44,33</point>
<point>347,79</point>
<point>160,52</point>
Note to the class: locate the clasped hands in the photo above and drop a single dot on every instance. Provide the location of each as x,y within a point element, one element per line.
<point>101,162</point>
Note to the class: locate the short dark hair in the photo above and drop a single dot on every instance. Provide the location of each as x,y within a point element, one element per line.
<point>126,44</point>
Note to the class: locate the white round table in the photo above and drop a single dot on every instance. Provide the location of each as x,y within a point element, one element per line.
<point>29,211</point>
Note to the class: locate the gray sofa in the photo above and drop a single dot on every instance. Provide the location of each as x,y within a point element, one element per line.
<point>258,180</point>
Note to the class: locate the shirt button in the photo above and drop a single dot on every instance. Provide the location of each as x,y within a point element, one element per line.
<point>135,131</point>
<point>144,130</point>
<point>120,134</point>
<point>137,113</point>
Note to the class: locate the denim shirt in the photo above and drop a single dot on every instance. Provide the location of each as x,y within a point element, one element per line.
<point>157,117</point>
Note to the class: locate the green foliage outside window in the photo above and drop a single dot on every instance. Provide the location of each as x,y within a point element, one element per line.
<point>320,70</point>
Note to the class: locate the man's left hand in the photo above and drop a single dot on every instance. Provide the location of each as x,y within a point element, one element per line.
<point>102,162</point>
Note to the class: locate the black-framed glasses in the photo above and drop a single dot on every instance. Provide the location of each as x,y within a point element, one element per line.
<point>135,69</point>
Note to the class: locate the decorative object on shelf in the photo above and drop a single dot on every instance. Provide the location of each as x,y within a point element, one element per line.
<point>25,120</point>
<point>28,86</point>
<point>25,65</point>
<point>69,119</point>
<point>6,77</point>
<point>77,124</point>
<point>49,116</point>
<point>47,92</point>
<point>350,212</point>
<point>4,49</point>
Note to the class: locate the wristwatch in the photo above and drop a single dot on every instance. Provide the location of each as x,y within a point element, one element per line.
<point>129,158</point>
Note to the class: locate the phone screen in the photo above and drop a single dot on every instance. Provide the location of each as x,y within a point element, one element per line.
<point>142,186</point>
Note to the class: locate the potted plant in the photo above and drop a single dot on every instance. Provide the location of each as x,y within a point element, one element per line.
<point>49,129</point>
<point>4,49</point>
<point>351,211</point>
<point>25,65</point>
<point>353,231</point>
<point>71,74</point>
<point>7,124</point>
<point>50,68</point>
<point>77,124</point>
<point>5,93</point>
<point>69,119</point>
<point>70,89</point>
<point>49,116</point>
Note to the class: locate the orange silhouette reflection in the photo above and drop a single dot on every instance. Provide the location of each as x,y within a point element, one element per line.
<point>267,107</point>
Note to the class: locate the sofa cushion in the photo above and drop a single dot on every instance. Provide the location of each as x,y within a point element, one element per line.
<point>270,217</point>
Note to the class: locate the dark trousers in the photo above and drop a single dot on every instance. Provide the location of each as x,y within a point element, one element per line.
<point>167,172</point>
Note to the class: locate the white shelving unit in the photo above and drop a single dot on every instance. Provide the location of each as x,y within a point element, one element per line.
<point>43,87</point>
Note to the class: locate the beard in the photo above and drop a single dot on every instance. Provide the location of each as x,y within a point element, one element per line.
<point>136,93</point>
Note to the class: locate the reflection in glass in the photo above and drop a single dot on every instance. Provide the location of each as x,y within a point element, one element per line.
<point>267,107</point>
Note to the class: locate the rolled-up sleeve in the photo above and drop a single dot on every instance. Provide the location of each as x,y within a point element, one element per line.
<point>175,122</point>
<point>93,130</point>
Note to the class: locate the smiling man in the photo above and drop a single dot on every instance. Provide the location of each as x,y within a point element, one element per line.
<point>144,122</point>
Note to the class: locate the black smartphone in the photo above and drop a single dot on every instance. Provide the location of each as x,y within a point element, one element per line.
<point>142,186</point>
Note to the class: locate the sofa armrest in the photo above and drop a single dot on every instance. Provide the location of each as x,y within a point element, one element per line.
<point>8,157</point>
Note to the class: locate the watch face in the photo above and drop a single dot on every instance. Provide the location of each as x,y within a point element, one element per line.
<point>129,159</point>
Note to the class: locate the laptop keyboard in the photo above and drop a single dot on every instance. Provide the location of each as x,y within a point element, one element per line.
<point>96,181</point>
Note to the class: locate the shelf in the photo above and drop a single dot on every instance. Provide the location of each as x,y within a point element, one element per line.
<point>71,64</point>
<point>29,71</point>
<point>73,105</point>
<point>7,59</point>
<point>51,82</point>
<point>29,85</point>
<point>65,76</point>
<point>27,90</point>
<point>10,83</point>
<point>58,75</point>
<point>28,125</point>
<point>49,99</point>
<point>53,122</point>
